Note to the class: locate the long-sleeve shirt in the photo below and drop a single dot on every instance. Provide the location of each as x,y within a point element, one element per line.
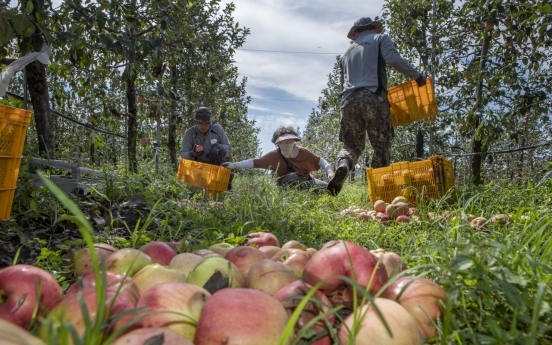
<point>214,135</point>
<point>363,64</point>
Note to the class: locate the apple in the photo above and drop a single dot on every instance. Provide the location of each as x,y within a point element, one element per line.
<point>466,73</point>
<point>154,274</point>
<point>82,261</point>
<point>399,199</point>
<point>509,41</point>
<point>70,311</point>
<point>344,258</point>
<point>221,248</point>
<point>144,141</point>
<point>24,288</point>
<point>508,22</point>
<point>392,262</point>
<point>261,239</point>
<point>109,280</point>
<point>421,297</point>
<point>199,148</point>
<point>269,276</point>
<point>214,274</point>
<point>496,34</point>
<point>186,262</point>
<point>291,295</point>
<point>173,305</point>
<point>206,253</point>
<point>11,334</point>
<point>380,206</point>
<point>153,336</point>
<point>463,127</point>
<point>127,261</point>
<point>478,223</point>
<point>244,257</point>
<point>176,245</point>
<point>402,219</point>
<point>500,218</point>
<point>241,316</point>
<point>270,251</point>
<point>293,244</point>
<point>159,252</point>
<point>141,99</point>
<point>296,259</point>
<point>398,209</point>
<point>311,251</point>
<point>372,331</point>
<point>489,25</point>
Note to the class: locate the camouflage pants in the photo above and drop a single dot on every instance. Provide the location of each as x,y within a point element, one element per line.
<point>364,111</point>
<point>218,155</point>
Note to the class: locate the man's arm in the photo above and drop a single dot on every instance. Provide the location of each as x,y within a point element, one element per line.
<point>187,151</point>
<point>395,60</point>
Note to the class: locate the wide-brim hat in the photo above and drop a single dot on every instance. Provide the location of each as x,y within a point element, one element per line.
<point>359,23</point>
<point>203,114</point>
<point>287,137</point>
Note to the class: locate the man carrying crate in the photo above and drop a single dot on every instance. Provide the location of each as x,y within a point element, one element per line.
<point>364,105</point>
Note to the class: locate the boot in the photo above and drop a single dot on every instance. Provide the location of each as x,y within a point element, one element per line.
<point>335,185</point>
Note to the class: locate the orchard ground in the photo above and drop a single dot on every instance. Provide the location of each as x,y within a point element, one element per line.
<point>498,277</point>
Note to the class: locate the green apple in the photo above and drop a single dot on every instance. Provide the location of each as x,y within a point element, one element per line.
<point>154,274</point>
<point>215,273</point>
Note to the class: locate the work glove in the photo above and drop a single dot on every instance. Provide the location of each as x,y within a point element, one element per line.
<point>330,176</point>
<point>421,80</point>
<point>229,165</point>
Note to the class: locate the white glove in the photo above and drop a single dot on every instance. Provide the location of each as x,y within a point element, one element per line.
<point>331,175</point>
<point>229,165</point>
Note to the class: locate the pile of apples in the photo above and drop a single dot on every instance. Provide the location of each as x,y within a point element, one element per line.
<point>400,211</point>
<point>225,295</point>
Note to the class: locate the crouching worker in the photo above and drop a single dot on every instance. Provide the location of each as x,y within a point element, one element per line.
<point>292,164</point>
<point>206,141</point>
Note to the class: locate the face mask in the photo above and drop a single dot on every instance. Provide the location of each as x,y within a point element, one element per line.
<point>286,149</point>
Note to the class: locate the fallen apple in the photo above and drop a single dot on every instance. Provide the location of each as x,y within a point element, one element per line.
<point>422,298</point>
<point>108,279</point>
<point>380,205</point>
<point>244,257</point>
<point>159,252</point>
<point>214,274</point>
<point>392,261</point>
<point>24,288</point>
<point>294,244</point>
<point>206,253</point>
<point>500,218</point>
<point>154,274</point>
<point>127,261</point>
<point>270,251</point>
<point>186,262</point>
<point>261,239</point>
<point>269,276</point>
<point>221,248</point>
<point>241,316</point>
<point>82,261</point>
<point>296,259</point>
<point>11,334</point>
<point>152,336</point>
<point>370,330</point>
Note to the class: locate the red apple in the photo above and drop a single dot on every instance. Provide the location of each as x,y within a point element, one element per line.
<point>185,262</point>
<point>82,261</point>
<point>154,274</point>
<point>501,218</point>
<point>159,252</point>
<point>291,295</point>
<point>241,316</point>
<point>221,248</point>
<point>311,251</point>
<point>296,259</point>
<point>215,273</point>
<point>153,336</point>
<point>270,251</point>
<point>176,305</point>
<point>70,311</point>
<point>144,141</point>
<point>269,276</point>
<point>478,223</point>
<point>489,25</point>
<point>391,261</point>
<point>343,258</point>
<point>11,334</point>
<point>24,288</point>
<point>293,244</point>
<point>261,239</point>
<point>402,219</point>
<point>244,257</point>
<point>175,245</point>
<point>127,261</point>
<point>199,148</point>
<point>111,280</point>
<point>421,298</point>
<point>372,331</point>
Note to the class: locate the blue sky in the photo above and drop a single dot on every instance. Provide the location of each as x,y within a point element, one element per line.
<point>285,86</point>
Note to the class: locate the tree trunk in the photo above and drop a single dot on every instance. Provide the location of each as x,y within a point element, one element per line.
<point>477,160</point>
<point>40,98</point>
<point>172,136</point>
<point>132,130</point>
<point>419,143</point>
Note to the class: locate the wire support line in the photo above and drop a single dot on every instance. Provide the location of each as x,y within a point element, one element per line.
<point>525,148</point>
<point>286,51</point>
<point>71,119</point>
<point>283,100</point>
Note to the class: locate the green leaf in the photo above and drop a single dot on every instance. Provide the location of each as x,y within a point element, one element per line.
<point>30,7</point>
<point>546,9</point>
<point>23,25</point>
<point>461,262</point>
<point>43,29</point>
<point>6,31</point>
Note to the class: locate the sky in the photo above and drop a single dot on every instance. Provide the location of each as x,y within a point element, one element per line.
<point>285,87</point>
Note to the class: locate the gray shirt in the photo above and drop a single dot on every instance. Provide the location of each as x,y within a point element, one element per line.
<point>363,64</point>
<point>214,135</point>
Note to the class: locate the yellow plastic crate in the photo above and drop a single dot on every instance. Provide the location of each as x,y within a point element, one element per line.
<point>431,178</point>
<point>13,128</point>
<point>9,170</point>
<point>6,201</point>
<point>213,178</point>
<point>410,103</point>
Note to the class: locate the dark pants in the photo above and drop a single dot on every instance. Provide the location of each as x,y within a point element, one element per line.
<point>294,180</point>
<point>365,112</point>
